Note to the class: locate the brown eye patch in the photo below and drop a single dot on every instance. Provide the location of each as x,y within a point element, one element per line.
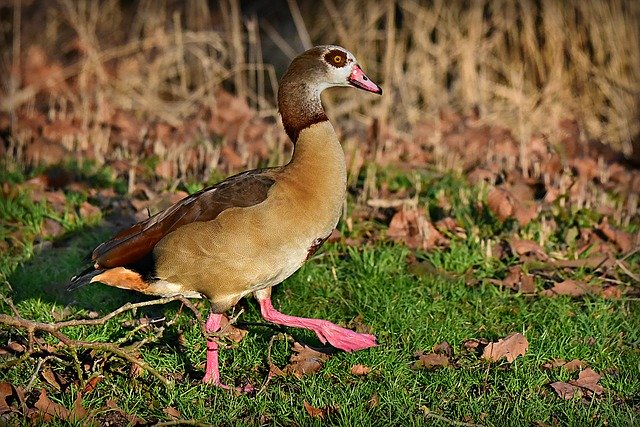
<point>336,57</point>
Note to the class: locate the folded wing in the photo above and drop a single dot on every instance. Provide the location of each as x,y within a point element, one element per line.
<point>131,245</point>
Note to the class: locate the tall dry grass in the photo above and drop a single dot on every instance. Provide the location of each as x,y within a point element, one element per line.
<point>524,64</point>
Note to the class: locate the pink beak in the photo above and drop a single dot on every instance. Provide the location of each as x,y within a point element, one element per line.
<point>360,80</point>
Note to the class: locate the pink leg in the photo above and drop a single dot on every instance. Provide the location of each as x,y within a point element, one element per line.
<point>212,371</point>
<point>344,339</point>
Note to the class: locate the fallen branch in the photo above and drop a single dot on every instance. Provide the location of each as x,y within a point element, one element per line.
<point>55,329</point>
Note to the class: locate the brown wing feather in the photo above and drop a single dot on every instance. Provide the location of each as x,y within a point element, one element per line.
<point>133,244</point>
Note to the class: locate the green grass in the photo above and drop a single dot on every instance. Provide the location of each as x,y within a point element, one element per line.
<point>407,312</point>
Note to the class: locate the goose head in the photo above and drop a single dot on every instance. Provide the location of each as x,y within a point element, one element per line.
<point>310,73</point>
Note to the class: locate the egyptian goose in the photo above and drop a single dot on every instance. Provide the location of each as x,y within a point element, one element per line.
<point>253,230</point>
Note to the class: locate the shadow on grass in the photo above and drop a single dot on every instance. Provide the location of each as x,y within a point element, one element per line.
<point>46,275</point>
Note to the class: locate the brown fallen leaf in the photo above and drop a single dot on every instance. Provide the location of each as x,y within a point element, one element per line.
<point>501,202</point>
<point>474,344</point>
<point>77,410</point>
<point>374,401</point>
<point>430,361</point>
<point>586,384</point>
<point>555,363</point>
<point>50,409</point>
<point>411,227</point>
<point>171,412</point>
<point>15,347</point>
<point>313,411</point>
<point>443,348</point>
<point>51,228</point>
<point>6,390</point>
<point>525,212</point>
<point>136,370</point>
<point>87,210</point>
<point>622,239</point>
<point>565,390</point>
<point>612,292</point>
<point>510,347</point>
<point>569,287</point>
<point>231,332</point>
<point>588,379</point>
<point>92,384</point>
<point>517,280</point>
<point>505,205</point>
<point>305,361</point>
<point>360,370</point>
<point>528,247</point>
<point>50,378</point>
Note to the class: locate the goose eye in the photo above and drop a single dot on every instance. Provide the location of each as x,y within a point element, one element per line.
<point>335,58</point>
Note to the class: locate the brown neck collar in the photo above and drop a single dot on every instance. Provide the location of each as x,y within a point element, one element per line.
<point>299,104</point>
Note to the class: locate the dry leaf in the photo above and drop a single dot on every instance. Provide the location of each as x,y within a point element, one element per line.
<point>51,228</point>
<point>171,412</point>
<point>473,344</point>
<point>528,247</point>
<point>524,213</point>
<point>587,383</point>
<point>569,287</point>
<point>16,347</point>
<point>49,408</point>
<point>305,360</point>
<point>374,401</point>
<point>77,410</point>
<point>87,210</point>
<point>612,292</point>
<point>360,370</point>
<point>136,370</point>
<point>517,280</point>
<point>6,390</point>
<point>443,348</point>
<point>50,378</point>
<point>92,384</point>
<point>588,379</point>
<point>131,419</point>
<point>230,331</point>
<point>313,411</point>
<point>510,347</point>
<point>620,238</point>
<point>411,227</point>
<point>505,205</point>
<point>565,390</point>
<point>501,203</point>
<point>555,363</point>
<point>527,284</point>
<point>430,361</point>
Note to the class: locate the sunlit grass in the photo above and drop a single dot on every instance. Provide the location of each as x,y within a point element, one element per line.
<point>408,309</point>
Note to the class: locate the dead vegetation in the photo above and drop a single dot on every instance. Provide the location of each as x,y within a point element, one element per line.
<point>111,82</point>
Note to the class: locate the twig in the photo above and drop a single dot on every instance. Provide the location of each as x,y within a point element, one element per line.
<point>37,370</point>
<point>278,337</point>
<point>128,306</point>
<point>11,306</point>
<point>54,329</point>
